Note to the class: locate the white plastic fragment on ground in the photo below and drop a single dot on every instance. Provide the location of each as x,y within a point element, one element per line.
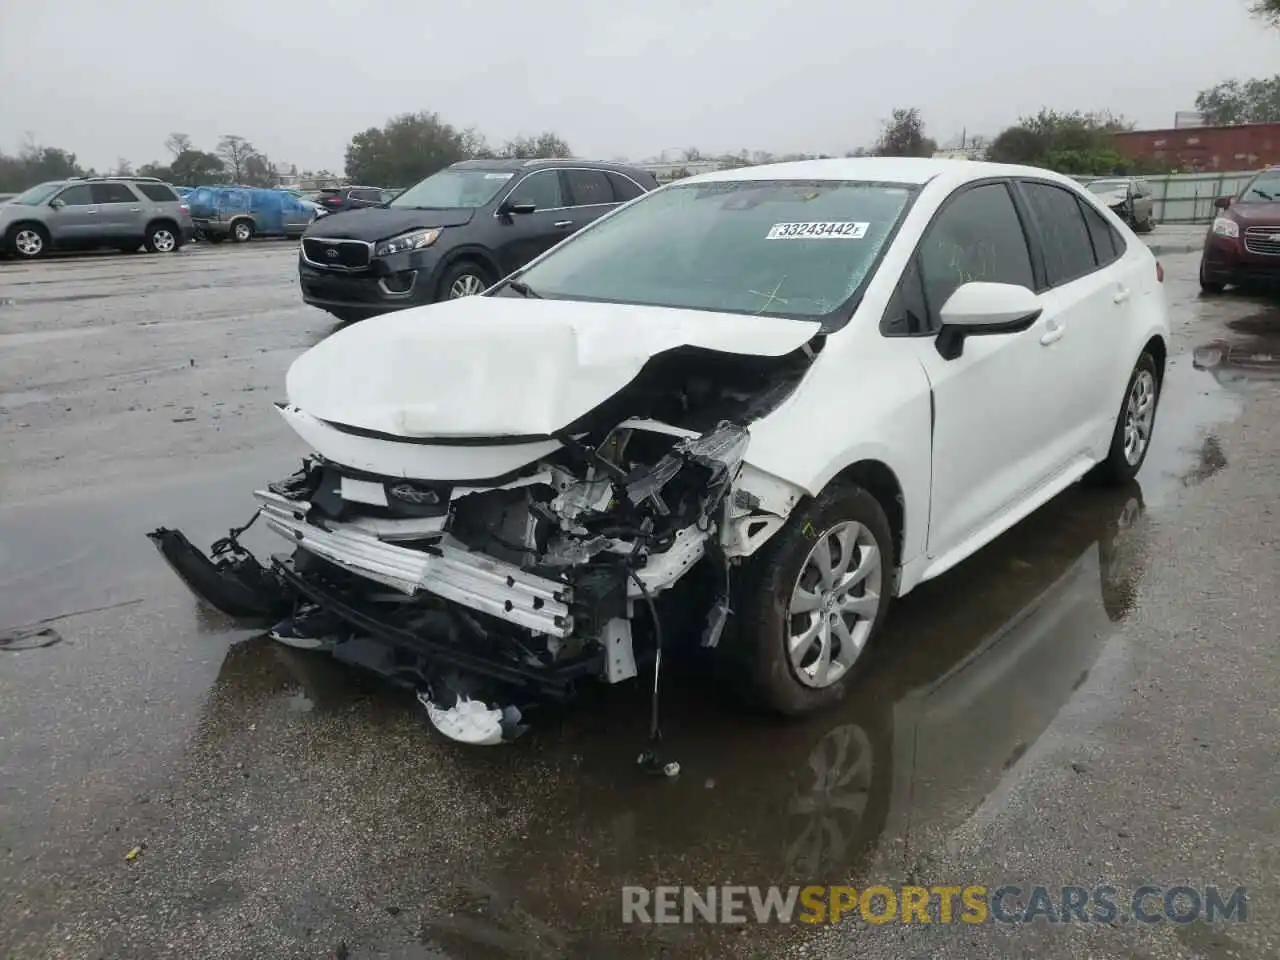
<point>470,721</point>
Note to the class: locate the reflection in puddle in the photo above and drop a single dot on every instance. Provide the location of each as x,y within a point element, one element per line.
<point>1255,356</point>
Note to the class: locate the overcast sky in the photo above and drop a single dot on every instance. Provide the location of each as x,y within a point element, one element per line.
<point>298,77</point>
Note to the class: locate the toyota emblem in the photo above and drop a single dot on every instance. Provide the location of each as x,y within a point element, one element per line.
<point>332,253</point>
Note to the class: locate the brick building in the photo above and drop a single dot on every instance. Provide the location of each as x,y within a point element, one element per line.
<point>1243,147</point>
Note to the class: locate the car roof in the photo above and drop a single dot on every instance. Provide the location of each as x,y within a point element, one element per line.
<point>539,163</point>
<point>908,170</point>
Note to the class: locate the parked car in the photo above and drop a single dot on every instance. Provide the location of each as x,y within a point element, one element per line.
<point>242,213</point>
<point>456,232</point>
<point>337,199</point>
<point>1242,245</point>
<point>750,407</point>
<point>1131,199</point>
<point>84,213</point>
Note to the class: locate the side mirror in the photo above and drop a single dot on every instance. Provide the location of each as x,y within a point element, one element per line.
<point>1222,203</point>
<point>523,206</point>
<point>57,204</point>
<point>985,309</point>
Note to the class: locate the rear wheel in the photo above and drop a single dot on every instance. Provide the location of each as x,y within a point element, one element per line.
<point>813,600</point>
<point>162,238</point>
<point>1131,438</point>
<point>242,231</point>
<point>29,241</point>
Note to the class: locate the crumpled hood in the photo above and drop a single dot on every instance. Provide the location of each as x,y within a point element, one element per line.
<point>506,367</point>
<point>381,223</point>
<point>1113,199</point>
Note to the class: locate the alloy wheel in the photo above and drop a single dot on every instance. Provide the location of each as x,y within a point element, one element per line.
<point>163,241</point>
<point>467,285</point>
<point>29,243</point>
<point>1139,413</point>
<point>834,604</point>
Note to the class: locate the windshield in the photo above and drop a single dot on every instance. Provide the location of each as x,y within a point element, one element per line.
<point>1108,186</point>
<point>783,247</point>
<point>38,194</point>
<point>454,190</point>
<point>1265,188</point>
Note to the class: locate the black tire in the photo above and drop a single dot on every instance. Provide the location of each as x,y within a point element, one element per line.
<point>163,238</point>
<point>1208,286</point>
<point>20,230</point>
<point>755,653</point>
<point>458,273</point>
<point>242,231</point>
<point>1116,468</point>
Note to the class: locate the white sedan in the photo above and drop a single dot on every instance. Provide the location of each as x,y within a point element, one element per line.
<point>781,395</point>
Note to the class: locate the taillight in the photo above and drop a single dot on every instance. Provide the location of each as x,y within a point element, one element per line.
<point>184,208</point>
<point>1159,272</point>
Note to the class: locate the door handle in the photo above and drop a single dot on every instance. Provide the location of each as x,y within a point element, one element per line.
<point>1054,334</point>
<point>135,209</point>
<point>1121,296</point>
<point>561,224</point>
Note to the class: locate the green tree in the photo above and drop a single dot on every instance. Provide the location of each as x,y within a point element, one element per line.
<point>197,168</point>
<point>259,171</point>
<point>903,136</point>
<point>543,145</point>
<point>406,149</point>
<point>35,164</point>
<point>1232,102</point>
<point>1268,10</point>
<point>1072,143</point>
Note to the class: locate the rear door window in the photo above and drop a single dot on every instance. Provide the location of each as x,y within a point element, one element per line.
<point>1107,245</point>
<point>1064,237</point>
<point>157,192</point>
<point>113,193</point>
<point>590,188</point>
<point>624,188</point>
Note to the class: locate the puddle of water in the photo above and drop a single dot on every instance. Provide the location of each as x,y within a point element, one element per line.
<point>1250,357</point>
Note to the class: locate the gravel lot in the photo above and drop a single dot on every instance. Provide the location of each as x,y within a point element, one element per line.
<point>1091,699</point>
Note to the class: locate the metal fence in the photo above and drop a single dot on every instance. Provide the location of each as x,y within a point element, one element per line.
<point>1188,197</point>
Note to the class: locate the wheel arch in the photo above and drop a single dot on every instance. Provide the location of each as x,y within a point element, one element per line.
<point>1159,351</point>
<point>476,254</point>
<point>13,228</point>
<point>879,480</point>
<point>164,221</point>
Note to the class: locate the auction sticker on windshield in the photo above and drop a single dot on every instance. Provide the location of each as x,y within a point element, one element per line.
<point>498,176</point>
<point>828,230</point>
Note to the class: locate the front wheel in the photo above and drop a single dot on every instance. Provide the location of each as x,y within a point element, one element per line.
<point>29,242</point>
<point>465,279</point>
<point>1131,438</point>
<point>242,231</point>
<point>812,601</point>
<point>1209,286</point>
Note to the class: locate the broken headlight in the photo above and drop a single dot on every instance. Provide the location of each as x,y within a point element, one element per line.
<point>414,240</point>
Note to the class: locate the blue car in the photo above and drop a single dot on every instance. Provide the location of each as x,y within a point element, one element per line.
<point>242,213</point>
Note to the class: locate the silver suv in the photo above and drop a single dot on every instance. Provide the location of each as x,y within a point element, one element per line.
<point>89,212</point>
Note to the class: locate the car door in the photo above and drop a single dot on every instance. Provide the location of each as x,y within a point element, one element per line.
<point>73,216</point>
<point>120,213</point>
<point>523,236</point>
<point>1086,285</point>
<point>998,405</point>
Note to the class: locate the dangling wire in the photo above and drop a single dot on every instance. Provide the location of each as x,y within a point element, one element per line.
<point>649,758</point>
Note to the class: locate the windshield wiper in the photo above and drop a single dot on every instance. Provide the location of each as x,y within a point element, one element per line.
<point>522,288</point>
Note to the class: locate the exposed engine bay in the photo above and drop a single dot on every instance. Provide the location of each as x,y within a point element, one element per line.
<point>488,595</point>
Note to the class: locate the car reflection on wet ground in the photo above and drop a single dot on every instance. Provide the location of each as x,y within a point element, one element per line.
<point>278,805</point>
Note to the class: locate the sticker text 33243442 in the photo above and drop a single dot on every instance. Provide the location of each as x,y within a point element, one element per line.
<point>827,230</point>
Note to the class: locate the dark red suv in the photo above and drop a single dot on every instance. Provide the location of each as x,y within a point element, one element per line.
<point>1243,244</point>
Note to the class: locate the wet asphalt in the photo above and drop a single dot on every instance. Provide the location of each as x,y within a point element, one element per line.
<point>1091,699</point>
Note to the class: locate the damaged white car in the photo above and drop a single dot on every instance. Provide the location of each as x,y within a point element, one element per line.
<point>743,411</point>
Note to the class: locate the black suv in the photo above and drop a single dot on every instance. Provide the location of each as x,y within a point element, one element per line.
<point>456,233</point>
<point>337,199</point>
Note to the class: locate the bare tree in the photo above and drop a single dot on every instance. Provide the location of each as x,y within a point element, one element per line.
<point>123,167</point>
<point>177,144</point>
<point>235,152</point>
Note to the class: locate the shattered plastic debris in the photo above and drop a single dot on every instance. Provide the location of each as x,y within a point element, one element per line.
<point>133,854</point>
<point>473,722</point>
<point>573,552</point>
